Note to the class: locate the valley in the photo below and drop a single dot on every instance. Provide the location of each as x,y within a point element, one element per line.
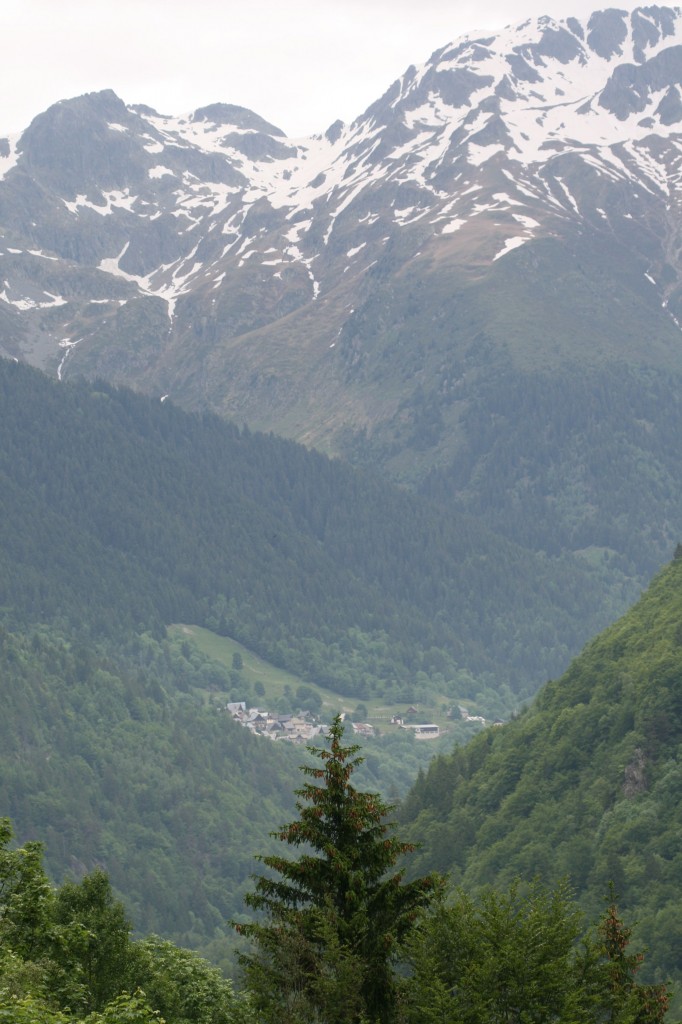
<point>384,422</point>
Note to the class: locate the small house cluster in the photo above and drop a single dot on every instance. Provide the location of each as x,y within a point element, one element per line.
<point>299,728</point>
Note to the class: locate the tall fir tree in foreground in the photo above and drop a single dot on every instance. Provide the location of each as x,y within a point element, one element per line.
<point>335,917</point>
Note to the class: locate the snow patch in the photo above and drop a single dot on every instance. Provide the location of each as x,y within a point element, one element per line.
<point>68,347</point>
<point>25,304</point>
<point>480,154</point>
<point>528,222</point>
<point>115,199</point>
<point>568,195</point>
<point>511,243</point>
<point>159,171</point>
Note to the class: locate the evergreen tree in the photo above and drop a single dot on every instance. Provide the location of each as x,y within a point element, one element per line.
<point>513,958</point>
<point>336,916</point>
<point>499,958</point>
<point>610,985</point>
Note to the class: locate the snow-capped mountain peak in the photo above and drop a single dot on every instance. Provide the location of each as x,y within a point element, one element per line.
<point>213,232</point>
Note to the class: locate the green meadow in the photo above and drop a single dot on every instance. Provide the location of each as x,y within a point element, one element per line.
<point>278,683</point>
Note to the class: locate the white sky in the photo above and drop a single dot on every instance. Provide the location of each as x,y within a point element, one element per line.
<point>301,64</point>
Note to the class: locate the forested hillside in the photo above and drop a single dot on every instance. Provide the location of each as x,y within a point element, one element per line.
<point>122,513</point>
<point>583,462</point>
<point>109,758</point>
<point>583,784</point>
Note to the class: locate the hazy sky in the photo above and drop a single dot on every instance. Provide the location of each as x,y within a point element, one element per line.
<point>301,64</point>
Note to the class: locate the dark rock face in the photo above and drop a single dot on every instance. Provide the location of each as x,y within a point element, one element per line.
<point>521,69</point>
<point>630,86</point>
<point>239,117</point>
<point>607,31</point>
<point>634,776</point>
<point>560,44</point>
<point>257,146</point>
<point>72,149</point>
<point>669,110</point>
<point>455,86</point>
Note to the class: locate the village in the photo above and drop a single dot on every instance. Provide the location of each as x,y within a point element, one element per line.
<point>304,726</point>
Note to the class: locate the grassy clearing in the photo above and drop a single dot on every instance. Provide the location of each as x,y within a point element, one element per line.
<point>256,669</point>
<point>274,680</point>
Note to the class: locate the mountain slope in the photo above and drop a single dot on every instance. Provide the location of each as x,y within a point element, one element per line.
<point>503,223</point>
<point>584,783</point>
<point>123,513</point>
<point>109,758</point>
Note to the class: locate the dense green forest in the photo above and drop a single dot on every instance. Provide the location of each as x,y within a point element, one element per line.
<point>585,783</point>
<point>66,954</point>
<point>123,514</point>
<point>111,759</point>
<point>341,938</point>
<point>585,461</point>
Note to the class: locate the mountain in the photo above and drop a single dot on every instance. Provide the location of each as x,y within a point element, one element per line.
<point>584,783</point>
<point>474,287</point>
